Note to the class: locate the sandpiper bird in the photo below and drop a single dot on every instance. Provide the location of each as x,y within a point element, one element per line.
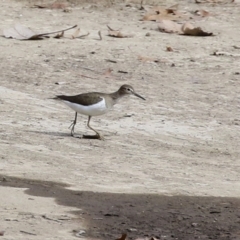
<point>95,104</point>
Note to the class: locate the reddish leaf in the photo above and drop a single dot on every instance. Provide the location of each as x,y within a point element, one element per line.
<point>183,29</point>
<point>169,26</point>
<point>160,13</point>
<point>123,237</point>
<point>189,29</point>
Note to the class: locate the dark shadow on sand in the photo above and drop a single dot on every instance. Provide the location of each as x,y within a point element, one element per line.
<point>68,134</point>
<point>107,215</point>
<point>56,134</point>
<point>60,134</point>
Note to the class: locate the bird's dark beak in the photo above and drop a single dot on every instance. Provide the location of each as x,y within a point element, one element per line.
<point>137,95</point>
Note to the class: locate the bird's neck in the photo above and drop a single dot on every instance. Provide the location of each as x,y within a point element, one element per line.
<point>116,96</point>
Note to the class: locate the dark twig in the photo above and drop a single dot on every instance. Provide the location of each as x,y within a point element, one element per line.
<point>100,35</point>
<point>42,34</point>
<point>29,233</point>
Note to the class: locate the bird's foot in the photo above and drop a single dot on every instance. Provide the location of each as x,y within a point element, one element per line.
<point>72,126</point>
<point>97,136</point>
<point>79,136</point>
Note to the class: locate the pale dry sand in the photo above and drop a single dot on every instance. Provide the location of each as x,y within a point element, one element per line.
<point>183,140</point>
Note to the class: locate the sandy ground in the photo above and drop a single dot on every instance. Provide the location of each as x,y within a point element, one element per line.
<point>183,140</point>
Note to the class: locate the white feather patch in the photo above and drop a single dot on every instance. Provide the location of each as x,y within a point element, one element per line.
<point>91,110</point>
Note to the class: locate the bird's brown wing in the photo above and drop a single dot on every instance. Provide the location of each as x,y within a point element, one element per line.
<point>84,99</point>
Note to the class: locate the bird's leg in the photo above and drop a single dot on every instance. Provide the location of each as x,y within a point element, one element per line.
<point>73,125</point>
<point>97,136</point>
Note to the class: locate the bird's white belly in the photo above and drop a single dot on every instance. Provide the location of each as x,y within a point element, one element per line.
<point>91,110</point>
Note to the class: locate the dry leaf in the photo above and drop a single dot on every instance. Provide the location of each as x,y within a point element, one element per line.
<point>111,28</point>
<point>59,35</point>
<point>76,33</point>
<point>189,29</point>
<point>169,26</point>
<point>123,237</point>
<point>21,32</point>
<point>118,34</point>
<point>160,13</point>
<point>202,13</point>
<point>115,33</point>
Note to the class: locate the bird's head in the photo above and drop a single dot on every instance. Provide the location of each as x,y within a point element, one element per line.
<point>127,90</point>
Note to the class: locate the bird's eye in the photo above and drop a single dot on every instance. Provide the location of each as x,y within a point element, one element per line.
<point>129,89</point>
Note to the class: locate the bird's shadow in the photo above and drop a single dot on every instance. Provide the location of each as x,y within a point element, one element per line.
<point>65,134</point>
<point>56,134</point>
